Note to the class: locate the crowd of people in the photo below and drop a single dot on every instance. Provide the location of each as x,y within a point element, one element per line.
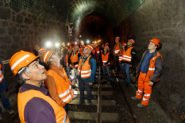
<point>52,78</point>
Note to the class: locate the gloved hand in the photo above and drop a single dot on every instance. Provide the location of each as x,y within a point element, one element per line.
<point>151,83</point>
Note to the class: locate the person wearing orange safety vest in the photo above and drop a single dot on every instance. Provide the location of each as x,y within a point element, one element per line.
<point>105,58</point>
<point>34,103</point>
<point>57,81</point>
<point>127,59</point>
<point>67,59</point>
<point>116,52</point>
<point>74,57</point>
<point>149,70</point>
<point>86,73</point>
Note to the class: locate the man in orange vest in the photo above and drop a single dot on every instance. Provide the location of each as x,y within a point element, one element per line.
<point>86,73</point>
<point>128,59</point>
<point>116,52</point>
<point>149,70</point>
<point>34,103</point>
<point>73,61</point>
<point>57,80</point>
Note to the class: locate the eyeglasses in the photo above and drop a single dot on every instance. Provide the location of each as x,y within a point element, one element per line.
<point>34,64</point>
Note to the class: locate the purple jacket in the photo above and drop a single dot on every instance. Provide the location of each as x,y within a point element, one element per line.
<point>38,110</point>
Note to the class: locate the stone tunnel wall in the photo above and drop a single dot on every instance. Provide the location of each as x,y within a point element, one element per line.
<point>164,19</point>
<point>22,30</point>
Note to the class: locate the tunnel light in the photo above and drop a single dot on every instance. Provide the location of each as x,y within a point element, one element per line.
<point>87,41</point>
<point>48,44</point>
<point>57,44</point>
<point>76,43</point>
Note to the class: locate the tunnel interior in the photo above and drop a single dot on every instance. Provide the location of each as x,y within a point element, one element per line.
<point>25,23</point>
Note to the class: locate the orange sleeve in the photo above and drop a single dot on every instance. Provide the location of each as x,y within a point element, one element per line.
<point>50,84</point>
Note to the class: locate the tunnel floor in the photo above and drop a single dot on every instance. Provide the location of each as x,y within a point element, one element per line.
<point>116,106</point>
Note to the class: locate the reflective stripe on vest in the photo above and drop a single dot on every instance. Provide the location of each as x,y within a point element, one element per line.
<point>151,67</point>
<point>105,57</point>
<point>116,49</point>
<point>127,55</point>
<point>84,69</point>
<point>25,97</point>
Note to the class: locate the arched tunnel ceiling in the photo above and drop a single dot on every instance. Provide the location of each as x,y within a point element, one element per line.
<point>75,10</point>
<point>113,10</point>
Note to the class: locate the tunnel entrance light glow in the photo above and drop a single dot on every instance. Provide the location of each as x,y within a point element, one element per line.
<point>57,44</point>
<point>87,41</point>
<point>48,44</point>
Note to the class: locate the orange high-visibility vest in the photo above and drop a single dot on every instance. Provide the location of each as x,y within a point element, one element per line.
<point>105,57</point>
<point>84,69</point>
<point>116,49</point>
<point>74,57</point>
<point>127,55</point>
<point>151,67</point>
<point>25,97</point>
<point>63,85</point>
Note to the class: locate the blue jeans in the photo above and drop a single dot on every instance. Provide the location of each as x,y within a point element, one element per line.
<point>125,68</point>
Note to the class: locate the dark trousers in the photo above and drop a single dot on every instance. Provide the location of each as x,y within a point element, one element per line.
<point>106,73</point>
<point>116,64</point>
<point>85,86</point>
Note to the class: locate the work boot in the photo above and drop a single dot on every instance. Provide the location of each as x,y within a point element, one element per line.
<point>140,105</point>
<point>134,98</point>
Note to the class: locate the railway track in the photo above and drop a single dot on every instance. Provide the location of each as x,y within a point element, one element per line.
<point>109,105</point>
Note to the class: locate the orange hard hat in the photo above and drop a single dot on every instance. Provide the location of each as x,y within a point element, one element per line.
<point>46,56</point>
<point>20,60</point>
<point>89,47</point>
<point>41,50</point>
<point>156,41</point>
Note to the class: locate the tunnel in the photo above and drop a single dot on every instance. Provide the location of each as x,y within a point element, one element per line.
<point>26,24</point>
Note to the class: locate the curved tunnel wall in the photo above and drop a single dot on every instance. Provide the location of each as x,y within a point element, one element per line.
<point>164,19</point>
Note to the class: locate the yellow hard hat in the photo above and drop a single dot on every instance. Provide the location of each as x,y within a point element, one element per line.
<point>20,60</point>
